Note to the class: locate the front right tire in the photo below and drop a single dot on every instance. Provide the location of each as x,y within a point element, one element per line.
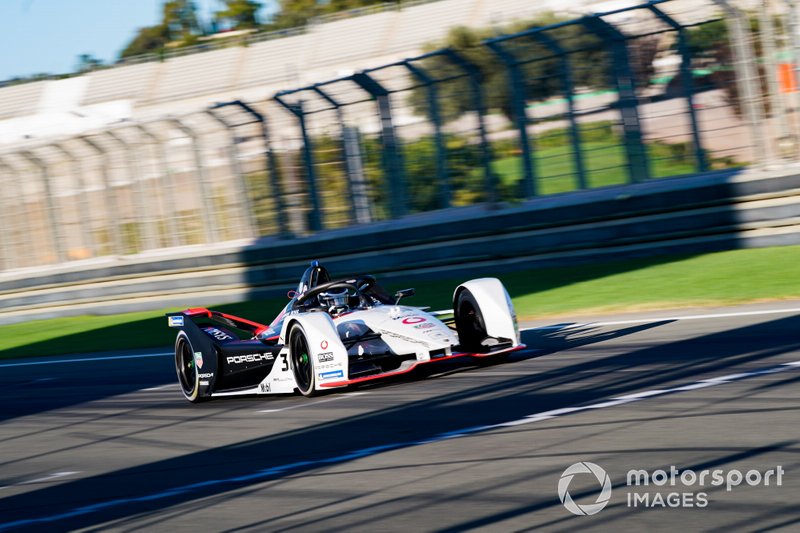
<point>470,325</point>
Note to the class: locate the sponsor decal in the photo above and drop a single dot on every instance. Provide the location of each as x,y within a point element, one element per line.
<point>326,366</point>
<point>207,375</point>
<point>324,345</point>
<point>394,335</point>
<point>325,357</point>
<point>218,334</point>
<point>268,333</point>
<point>249,358</point>
<point>198,359</point>
<point>426,325</point>
<point>332,374</point>
<point>265,387</point>
<point>413,320</point>
<point>204,383</point>
<point>175,321</point>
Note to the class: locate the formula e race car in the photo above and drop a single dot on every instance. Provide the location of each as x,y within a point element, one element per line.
<point>335,333</point>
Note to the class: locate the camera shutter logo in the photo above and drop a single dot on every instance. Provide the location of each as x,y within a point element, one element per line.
<point>584,468</point>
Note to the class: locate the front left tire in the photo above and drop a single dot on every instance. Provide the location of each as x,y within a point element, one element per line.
<point>302,361</point>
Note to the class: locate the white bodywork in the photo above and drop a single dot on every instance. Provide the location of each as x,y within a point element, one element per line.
<point>406,330</point>
<point>496,307</point>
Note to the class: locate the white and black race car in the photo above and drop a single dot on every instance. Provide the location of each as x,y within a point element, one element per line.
<point>335,333</point>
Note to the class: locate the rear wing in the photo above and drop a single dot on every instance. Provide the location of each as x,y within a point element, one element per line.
<point>180,318</point>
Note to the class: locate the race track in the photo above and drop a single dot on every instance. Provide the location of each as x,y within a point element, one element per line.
<point>110,444</point>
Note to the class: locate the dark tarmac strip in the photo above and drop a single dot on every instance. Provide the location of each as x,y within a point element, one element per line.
<point>110,444</point>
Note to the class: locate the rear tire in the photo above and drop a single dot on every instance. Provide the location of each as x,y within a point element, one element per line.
<point>302,362</point>
<point>470,324</point>
<point>186,369</point>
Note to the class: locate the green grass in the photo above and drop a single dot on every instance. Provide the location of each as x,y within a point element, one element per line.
<point>604,161</point>
<point>660,282</point>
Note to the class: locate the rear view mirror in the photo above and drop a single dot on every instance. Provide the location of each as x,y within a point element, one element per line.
<point>404,293</point>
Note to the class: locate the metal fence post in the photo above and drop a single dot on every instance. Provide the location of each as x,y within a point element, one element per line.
<point>356,187</point>
<point>479,102</point>
<point>163,161</point>
<point>392,158</point>
<point>568,87</point>
<point>6,250</point>
<point>202,178</point>
<point>241,180</point>
<point>112,209</point>
<point>77,169</point>
<point>794,31</point>
<point>747,78</point>
<point>517,85</point>
<point>767,33</point>
<point>431,93</point>
<point>272,168</point>
<point>315,218</point>
<point>142,215</point>
<point>52,213</point>
<point>638,160</point>
<point>688,85</point>
<point>22,219</point>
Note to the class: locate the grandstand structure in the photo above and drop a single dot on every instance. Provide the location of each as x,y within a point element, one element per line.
<point>254,72</point>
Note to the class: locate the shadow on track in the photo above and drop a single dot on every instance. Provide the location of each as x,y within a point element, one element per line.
<point>211,472</point>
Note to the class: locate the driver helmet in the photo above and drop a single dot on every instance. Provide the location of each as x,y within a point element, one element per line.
<point>335,298</point>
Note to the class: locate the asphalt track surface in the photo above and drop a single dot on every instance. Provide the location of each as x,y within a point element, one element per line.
<point>109,444</point>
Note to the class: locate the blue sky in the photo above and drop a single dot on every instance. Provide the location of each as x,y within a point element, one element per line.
<point>47,36</point>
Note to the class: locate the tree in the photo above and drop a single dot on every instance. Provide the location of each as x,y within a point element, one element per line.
<point>179,24</point>
<point>239,14</point>
<point>148,40</point>
<point>180,18</point>
<point>539,67</point>
<point>87,62</point>
<point>709,43</point>
<point>296,13</point>
<point>588,58</point>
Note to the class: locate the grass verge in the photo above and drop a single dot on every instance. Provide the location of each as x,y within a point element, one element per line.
<point>659,282</point>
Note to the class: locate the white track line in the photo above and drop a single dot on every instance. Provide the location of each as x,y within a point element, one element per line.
<point>85,359</point>
<point>671,318</point>
<point>51,477</point>
<point>297,406</point>
<point>163,387</point>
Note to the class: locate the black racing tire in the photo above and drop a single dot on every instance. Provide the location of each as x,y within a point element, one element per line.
<point>301,361</point>
<point>470,324</point>
<point>185,367</point>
